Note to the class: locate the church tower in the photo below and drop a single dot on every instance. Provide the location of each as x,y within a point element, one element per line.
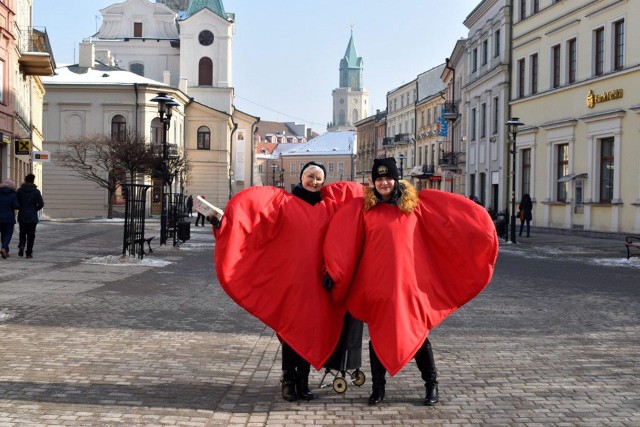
<point>350,100</point>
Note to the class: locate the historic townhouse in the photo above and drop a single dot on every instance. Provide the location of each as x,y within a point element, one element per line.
<point>575,86</point>
<point>428,135</point>
<point>366,137</point>
<point>487,91</point>
<point>401,122</point>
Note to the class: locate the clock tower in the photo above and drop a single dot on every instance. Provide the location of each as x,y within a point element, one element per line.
<point>351,99</point>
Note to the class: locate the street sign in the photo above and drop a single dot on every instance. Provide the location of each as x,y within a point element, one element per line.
<point>41,156</point>
<point>23,146</point>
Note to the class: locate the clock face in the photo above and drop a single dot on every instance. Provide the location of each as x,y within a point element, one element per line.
<point>342,101</point>
<point>205,37</point>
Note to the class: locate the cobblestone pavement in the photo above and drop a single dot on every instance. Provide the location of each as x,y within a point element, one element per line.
<point>553,340</point>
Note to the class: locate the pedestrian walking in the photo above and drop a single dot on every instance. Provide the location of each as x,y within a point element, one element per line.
<point>525,209</point>
<point>200,218</point>
<point>263,223</point>
<point>402,261</point>
<point>30,200</point>
<point>8,206</point>
<point>190,206</point>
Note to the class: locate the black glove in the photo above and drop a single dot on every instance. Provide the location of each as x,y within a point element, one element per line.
<point>327,282</point>
<point>213,220</point>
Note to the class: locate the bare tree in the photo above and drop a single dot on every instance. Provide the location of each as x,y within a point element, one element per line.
<point>107,162</point>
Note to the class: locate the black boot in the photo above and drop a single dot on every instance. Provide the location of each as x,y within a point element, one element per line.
<point>431,397</point>
<point>378,373</point>
<point>302,381</point>
<point>289,386</point>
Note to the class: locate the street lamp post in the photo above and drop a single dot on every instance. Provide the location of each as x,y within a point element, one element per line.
<point>165,107</point>
<point>512,126</point>
<point>282,171</point>
<point>273,174</point>
<point>401,157</point>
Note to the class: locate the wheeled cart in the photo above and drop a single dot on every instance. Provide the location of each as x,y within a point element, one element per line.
<point>346,358</point>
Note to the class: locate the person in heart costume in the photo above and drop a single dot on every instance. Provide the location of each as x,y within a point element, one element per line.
<point>268,259</point>
<point>402,261</point>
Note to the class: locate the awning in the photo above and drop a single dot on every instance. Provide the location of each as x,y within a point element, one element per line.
<point>572,176</point>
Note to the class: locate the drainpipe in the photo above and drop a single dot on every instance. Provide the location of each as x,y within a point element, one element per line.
<point>235,127</point>
<point>135,88</point>
<point>254,130</point>
<point>453,103</point>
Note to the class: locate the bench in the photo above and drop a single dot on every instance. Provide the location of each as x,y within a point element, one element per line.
<point>633,246</point>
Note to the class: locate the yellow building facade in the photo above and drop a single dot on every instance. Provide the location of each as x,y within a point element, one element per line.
<point>574,84</point>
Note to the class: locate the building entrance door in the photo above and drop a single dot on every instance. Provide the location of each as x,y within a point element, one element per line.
<point>156,197</point>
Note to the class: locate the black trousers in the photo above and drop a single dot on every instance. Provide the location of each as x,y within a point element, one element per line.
<point>528,221</point>
<point>424,359</point>
<point>198,218</point>
<point>27,236</point>
<point>292,362</point>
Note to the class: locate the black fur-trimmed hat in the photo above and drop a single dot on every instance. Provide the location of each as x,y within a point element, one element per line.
<point>312,163</point>
<point>385,167</point>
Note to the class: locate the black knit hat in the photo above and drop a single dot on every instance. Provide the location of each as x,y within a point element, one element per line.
<point>312,163</point>
<point>30,178</point>
<point>385,167</point>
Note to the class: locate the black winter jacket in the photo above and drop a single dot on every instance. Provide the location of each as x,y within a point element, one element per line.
<point>31,202</point>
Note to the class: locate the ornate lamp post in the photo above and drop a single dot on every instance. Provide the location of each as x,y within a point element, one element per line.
<point>512,127</point>
<point>401,157</point>
<point>282,171</point>
<point>165,110</point>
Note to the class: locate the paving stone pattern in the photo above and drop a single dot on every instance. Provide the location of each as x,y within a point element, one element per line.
<point>554,340</point>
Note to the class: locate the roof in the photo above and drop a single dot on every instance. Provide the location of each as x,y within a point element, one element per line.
<point>276,128</point>
<point>327,144</point>
<point>430,83</point>
<point>100,74</point>
<point>351,58</point>
<point>214,6</point>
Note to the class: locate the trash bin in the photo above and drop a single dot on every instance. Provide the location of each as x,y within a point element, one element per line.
<point>501,224</point>
<point>184,230</point>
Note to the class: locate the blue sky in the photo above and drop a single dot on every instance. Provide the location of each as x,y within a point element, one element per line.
<point>287,52</point>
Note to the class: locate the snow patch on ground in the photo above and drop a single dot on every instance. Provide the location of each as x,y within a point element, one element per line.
<point>617,262</point>
<point>6,314</point>
<point>123,261</point>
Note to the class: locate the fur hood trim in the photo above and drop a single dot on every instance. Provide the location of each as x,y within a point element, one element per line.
<point>407,203</point>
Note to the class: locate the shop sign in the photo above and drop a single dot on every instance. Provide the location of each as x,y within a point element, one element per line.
<point>23,146</point>
<point>593,99</point>
<point>5,138</point>
<point>435,178</point>
<point>41,156</point>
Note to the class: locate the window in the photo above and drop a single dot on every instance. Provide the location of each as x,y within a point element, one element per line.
<point>118,127</point>
<point>526,171</point>
<point>137,68</point>
<point>137,29</point>
<point>483,120</point>
<point>536,6</point>
<point>562,169</point>
<point>598,52</point>
<point>331,169</point>
<point>204,138</point>
<point>292,168</point>
<point>205,72</point>
<point>474,59</point>
<point>521,78</point>
<point>606,170</point>
<point>355,116</point>
<point>341,169</point>
<point>496,44</point>
<point>485,52</point>
<point>555,66</point>
<point>156,131</point>
<point>260,168</point>
<point>496,107</point>
<point>618,45</point>
<point>1,81</point>
<point>534,73</point>
<point>422,118</point>
<point>473,124</point>
<point>523,9</point>
<point>572,61</point>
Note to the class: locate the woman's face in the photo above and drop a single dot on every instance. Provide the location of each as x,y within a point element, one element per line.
<point>385,186</point>
<point>312,178</point>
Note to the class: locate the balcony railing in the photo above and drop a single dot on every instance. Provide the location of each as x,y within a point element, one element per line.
<point>36,55</point>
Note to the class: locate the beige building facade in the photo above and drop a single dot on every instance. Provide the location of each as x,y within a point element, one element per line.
<point>575,87</point>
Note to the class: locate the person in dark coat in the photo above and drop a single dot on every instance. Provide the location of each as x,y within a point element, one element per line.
<point>200,217</point>
<point>30,200</point>
<point>525,207</point>
<point>8,206</point>
<point>190,205</point>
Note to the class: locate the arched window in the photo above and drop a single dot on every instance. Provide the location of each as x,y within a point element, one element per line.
<point>137,68</point>
<point>355,116</point>
<point>156,129</point>
<point>118,127</point>
<point>205,72</point>
<point>342,118</point>
<point>204,138</point>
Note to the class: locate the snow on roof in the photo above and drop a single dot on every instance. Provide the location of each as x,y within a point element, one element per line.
<point>100,74</point>
<point>330,143</point>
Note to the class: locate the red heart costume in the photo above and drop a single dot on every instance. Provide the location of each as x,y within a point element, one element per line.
<point>403,273</point>
<point>268,258</point>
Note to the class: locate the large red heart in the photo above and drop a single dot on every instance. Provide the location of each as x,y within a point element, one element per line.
<point>268,259</point>
<point>404,274</point>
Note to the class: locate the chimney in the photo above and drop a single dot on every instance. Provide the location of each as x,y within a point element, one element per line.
<point>183,85</point>
<point>166,78</point>
<point>87,55</point>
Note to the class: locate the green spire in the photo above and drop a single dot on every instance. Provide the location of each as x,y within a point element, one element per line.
<point>351,67</point>
<point>215,6</point>
<point>350,55</point>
